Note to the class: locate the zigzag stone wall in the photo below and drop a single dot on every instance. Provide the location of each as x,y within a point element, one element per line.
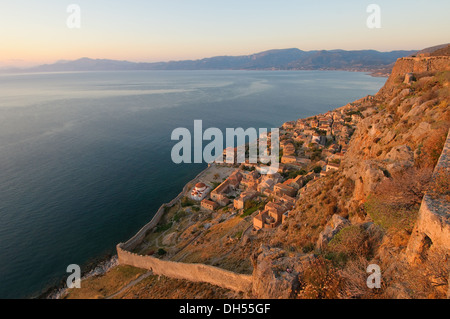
<point>134,241</point>
<point>192,272</point>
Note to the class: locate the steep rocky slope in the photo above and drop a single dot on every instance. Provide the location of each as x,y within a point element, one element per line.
<point>365,212</point>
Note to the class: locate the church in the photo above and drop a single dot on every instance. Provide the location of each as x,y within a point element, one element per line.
<point>200,191</point>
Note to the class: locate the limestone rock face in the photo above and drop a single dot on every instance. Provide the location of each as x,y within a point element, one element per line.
<point>405,92</point>
<point>419,108</point>
<point>275,275</point>
<point>432,230</point>
<point>367,175</point>
<point>409,78</point>
<point>399,158</point>
<point>331,229</point>
<point>420,131</point>
<point>390,135</point>
<point>401,153</point>
<point>433,224</point>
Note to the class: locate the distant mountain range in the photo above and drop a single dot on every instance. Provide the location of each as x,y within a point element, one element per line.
<point>286,59</point>
<point>438,50</point>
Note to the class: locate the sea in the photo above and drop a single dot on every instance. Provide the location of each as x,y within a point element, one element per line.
<point>85,157</point>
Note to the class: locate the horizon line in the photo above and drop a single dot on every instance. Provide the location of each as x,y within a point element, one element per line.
<point>63,60</point>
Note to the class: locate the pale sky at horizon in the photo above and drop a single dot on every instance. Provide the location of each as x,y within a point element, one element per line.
<point>35,32</point>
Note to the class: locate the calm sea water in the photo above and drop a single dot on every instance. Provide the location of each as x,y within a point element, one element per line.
<point>85,157</point>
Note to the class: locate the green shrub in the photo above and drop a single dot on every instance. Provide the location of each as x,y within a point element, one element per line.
<point>180,214</point>
<point>186,201</point>
<point>163,227</point>
<point>249,211</point>
<point>294,174</point>
<point>351,241</point>
<point>389,216</point>
<point>317,169</point>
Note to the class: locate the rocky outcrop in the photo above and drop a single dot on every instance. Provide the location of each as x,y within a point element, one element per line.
<point>409,78</point>
<point>411,65</point>
<point>401,154</point>
<point>432,230</point>
<point>368,175</point>
<point>331,229</point>
<point>275,275</point>
<point>399,158</point>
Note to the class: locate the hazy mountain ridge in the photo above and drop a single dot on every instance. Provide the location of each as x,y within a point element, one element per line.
<point>284,59</point>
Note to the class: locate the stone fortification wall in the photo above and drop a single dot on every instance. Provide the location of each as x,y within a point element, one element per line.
<point>415,65</point>
<point>192,272</point>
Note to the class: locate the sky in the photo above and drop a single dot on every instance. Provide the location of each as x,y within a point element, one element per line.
<point>36,31</point>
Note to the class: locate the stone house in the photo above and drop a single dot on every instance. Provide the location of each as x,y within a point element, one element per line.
<point>243,201</point>
<point>280,189</point>
<point>273,215</point>
<point>209,204</point>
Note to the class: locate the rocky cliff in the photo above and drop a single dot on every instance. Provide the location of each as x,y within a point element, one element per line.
<point>418,65</point>
<point>369,210</point>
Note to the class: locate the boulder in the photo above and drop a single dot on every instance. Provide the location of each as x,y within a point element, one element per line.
<point>331,229</point>
<point>422,129</point>
<point>401,154</point>
<point>388,137</point>
<point>399,158</point>
<point>368,175</point>
<point>417,109</point>
<point>275,275</point>
<point>405,92</point>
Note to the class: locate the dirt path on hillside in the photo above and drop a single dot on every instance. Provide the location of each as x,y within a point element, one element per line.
<point>131,284</point>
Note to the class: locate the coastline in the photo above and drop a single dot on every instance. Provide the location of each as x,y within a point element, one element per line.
<point>101,266</point>
<point>161,211</point>
<point>106,263</point>
<point>95,268</point>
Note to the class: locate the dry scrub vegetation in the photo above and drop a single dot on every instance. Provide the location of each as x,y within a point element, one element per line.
<point>417,116</point>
